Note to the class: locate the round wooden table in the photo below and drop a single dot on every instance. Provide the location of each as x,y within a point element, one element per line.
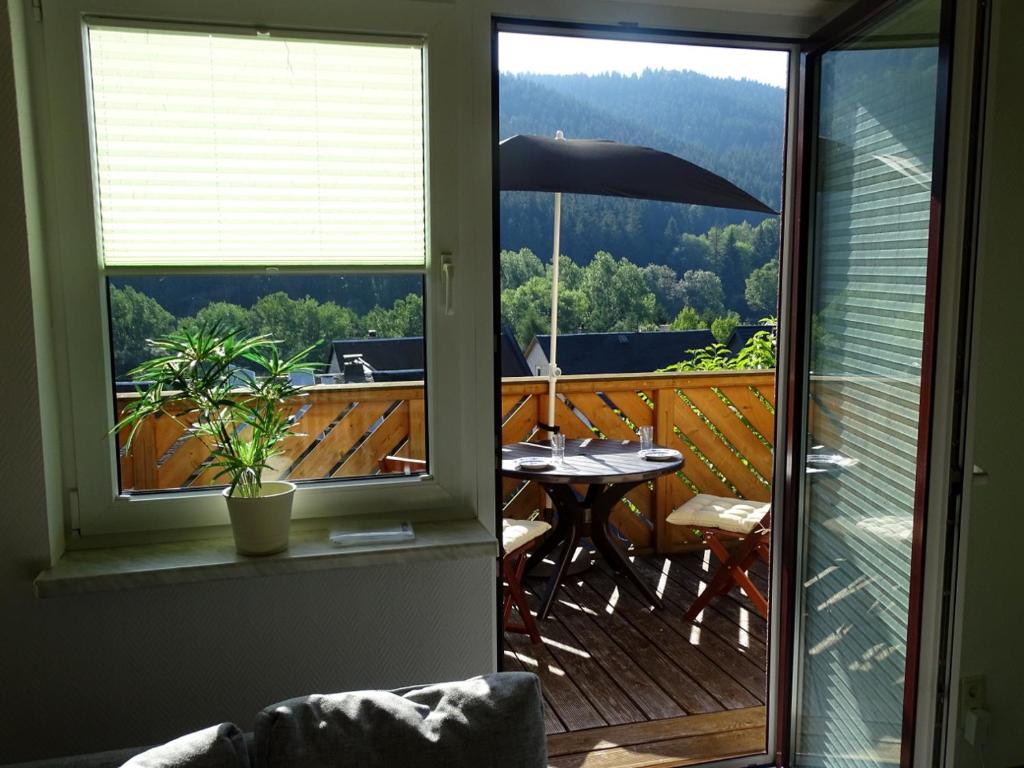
<point>609,469</point>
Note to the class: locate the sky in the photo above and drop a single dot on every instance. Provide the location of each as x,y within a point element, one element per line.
<point>553,55</point>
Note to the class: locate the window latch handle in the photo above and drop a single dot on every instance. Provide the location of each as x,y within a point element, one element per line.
<point>447,272</point>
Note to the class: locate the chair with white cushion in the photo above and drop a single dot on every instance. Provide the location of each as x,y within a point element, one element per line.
<point>719,519</point>
<point>518,537</point>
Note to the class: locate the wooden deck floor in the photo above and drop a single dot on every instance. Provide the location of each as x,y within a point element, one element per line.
<point>625,685</point>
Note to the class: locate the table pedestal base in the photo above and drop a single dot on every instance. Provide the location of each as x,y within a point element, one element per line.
<point>579,516</point>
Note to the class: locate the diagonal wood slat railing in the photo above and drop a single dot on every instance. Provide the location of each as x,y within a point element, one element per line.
<point>343,431</point>
<point>722,421</point>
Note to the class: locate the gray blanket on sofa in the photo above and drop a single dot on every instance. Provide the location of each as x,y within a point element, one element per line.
<point>495,720</point>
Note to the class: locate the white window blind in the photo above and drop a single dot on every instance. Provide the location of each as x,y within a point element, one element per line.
<point>220,149</point>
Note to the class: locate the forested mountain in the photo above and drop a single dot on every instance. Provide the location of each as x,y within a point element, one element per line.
<point>732,127</point>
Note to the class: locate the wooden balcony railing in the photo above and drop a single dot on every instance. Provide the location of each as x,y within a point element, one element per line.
<point>723,422</point>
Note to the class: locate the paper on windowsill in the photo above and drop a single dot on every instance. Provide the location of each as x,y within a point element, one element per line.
<point>384,534</point>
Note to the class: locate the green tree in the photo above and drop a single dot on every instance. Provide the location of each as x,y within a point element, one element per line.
<point>404,318</point>
<point>703,291</point>
<point>573,311</point>
<point>516,267</point>
<point>300,323</point>
<point>526,309</point>
<point>688,319</point>
<point>664,283</point>
<point>762,288</point>
<point>135,319</point>
<point>635,304</point>
<point>766,242</point>
<point>570,274</point>
<point>616,295</point>
<point>731,259</point>
<point>691,252</point>
<point>220,314</point>
<point>722,327</point>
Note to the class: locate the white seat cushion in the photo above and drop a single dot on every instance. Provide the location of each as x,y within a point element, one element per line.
<point>722,512</point>
<point>518,533</point>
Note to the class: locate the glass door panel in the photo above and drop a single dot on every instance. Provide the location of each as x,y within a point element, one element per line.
<point>869,262</point>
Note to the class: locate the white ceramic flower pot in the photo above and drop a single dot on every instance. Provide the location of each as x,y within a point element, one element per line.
<point>260,525</point>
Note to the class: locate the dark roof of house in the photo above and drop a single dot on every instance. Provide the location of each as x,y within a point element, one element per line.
<point>383,354</point>
<point>403,357</point>
<point>513,361</point>
<point>637,352</point>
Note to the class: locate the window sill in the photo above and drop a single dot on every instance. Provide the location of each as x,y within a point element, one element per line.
<point>186,562</point>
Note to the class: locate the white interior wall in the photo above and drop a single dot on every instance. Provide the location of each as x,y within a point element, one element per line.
<point>992,619</point>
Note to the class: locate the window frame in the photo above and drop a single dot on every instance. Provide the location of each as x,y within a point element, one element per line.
<point>78,280</point>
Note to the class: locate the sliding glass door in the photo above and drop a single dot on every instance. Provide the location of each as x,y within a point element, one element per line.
<point>870,248</point>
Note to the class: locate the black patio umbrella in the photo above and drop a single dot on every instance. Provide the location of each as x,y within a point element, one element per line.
<point>597,167</point>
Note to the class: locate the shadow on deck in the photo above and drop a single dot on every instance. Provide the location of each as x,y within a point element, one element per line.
<point>625,685</point>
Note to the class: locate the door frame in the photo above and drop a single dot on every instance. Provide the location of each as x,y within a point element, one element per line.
<point>777,653</point>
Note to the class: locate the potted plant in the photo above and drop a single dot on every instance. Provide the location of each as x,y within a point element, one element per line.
<point>203,380</point>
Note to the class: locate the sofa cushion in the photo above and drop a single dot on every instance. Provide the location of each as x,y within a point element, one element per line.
<point>495,720</point>
<point>219,746</point>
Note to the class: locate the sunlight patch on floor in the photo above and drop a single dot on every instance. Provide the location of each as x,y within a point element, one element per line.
<point>663,579</point>
<point>567,648</point>
<point>613,599</point>
<point>694,629</point>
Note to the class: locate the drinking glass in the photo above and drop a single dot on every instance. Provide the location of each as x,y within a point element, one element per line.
<point>646,439</point>
<point>557,447</point>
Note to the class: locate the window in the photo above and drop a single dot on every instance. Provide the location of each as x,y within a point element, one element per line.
<point>282,180</point>
<point>263,152</point>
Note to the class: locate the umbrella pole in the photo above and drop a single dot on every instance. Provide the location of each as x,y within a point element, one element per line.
<point>553,365</point>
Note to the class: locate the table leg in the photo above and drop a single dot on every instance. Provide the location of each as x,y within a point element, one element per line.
<point>569,527</point>
<point>546,547</point>
<point>572,540</point>
<point>601,509</point>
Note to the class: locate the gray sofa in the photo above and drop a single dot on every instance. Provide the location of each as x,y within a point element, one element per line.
<point>491,721</point>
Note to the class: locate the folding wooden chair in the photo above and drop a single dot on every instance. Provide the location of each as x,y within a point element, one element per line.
<point>518,537</point>
<point>719,519</point>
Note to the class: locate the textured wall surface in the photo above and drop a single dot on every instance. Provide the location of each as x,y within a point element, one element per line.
<point>993,616</point>
<point>128,668</point>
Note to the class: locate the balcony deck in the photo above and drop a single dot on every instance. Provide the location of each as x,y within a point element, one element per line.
<point>624,685</point>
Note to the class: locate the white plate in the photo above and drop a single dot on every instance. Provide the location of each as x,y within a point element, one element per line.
<point>534,464</point>
<point>661,454</point>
